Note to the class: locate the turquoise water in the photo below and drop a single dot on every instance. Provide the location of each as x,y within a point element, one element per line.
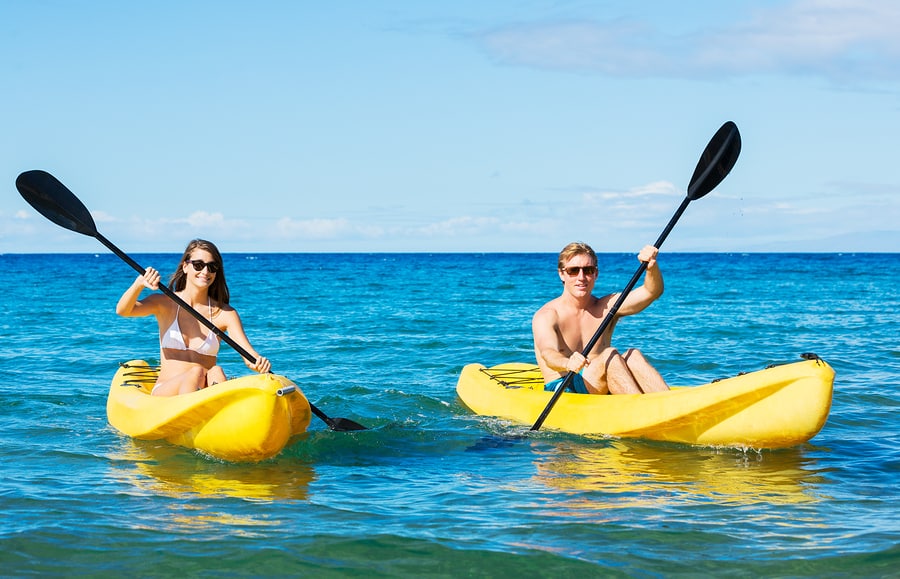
<point>431,489</point>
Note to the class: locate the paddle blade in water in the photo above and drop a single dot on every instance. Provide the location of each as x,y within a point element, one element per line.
<point>716,161</point>
<point>54,201</point>
<point>336,424</point>
<point>345,425</point>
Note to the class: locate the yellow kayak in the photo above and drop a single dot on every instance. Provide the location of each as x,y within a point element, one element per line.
<point>778,407</point>
<point>246,419</point>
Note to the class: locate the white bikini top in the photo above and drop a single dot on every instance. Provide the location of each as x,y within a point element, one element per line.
<point>173,339</point>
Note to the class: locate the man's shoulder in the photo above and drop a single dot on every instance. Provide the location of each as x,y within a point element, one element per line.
<point>550,309</point>
<point>553,304</point>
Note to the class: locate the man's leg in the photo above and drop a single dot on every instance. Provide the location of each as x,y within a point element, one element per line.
<point>609,373</point>
<point>646,375</point>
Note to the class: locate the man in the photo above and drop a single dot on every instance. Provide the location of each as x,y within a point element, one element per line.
<point>564,326</point>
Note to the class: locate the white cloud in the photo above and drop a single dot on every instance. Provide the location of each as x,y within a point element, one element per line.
<point>102,217</point>
<point>311,228</point>
<point>655,189</point>
<point>842,40</point>
<point>455,226</point>
<point>782,208</point>
<point>201,219</point>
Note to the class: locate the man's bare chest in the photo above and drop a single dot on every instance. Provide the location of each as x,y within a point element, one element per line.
<point>576,330</point>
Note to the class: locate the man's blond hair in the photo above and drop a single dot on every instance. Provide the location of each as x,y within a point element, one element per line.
<point>573,249</point>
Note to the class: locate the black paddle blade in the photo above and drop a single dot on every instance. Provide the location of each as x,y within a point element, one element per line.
<point>336,424</point>
<point>345,425</point>
<point>54,201</point>
<point>716,161</point>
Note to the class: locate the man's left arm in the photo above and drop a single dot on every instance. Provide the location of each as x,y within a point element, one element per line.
<point>652,288</point>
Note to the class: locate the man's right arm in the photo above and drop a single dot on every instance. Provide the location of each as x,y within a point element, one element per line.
<point>547,345</point>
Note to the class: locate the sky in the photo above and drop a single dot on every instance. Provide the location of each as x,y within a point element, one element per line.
<point>463,126</point>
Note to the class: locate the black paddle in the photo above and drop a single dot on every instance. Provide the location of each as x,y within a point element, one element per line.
<point>54,201</point>
<point>716,161</point>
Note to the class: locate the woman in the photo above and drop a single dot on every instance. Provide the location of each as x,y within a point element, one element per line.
<point>188,349</point>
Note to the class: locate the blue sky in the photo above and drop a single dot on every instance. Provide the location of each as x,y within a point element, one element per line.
<point>452,126</point>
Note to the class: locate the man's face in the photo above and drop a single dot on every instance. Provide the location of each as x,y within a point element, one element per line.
<point>579,274</point>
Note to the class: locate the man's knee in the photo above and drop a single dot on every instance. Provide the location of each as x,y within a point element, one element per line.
<point>633,354</point>
<point>607,355</point>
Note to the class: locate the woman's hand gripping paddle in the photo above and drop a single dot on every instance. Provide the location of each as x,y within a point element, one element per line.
<point>54,201</point>
<point>715,163</point>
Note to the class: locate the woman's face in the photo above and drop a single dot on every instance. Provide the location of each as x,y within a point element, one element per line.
<point>201,268</point>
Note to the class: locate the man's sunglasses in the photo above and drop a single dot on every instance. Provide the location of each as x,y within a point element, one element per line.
<point>199,264</point>
<point>587,269</point>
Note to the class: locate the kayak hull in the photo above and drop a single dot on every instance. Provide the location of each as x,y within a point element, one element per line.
<point>778,407</point>
<point>246,419</point>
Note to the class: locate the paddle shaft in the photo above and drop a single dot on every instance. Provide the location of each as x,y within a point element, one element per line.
<point>609,317</point>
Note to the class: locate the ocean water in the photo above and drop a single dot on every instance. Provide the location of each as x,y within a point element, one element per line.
<point>430,489</point>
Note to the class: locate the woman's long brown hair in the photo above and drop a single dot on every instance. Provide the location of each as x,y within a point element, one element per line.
<point>219,288</point>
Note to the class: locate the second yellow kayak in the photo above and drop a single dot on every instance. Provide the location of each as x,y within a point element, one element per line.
<point>777,407</point>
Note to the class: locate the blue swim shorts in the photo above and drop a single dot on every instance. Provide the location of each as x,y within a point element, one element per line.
<point>577,383</point>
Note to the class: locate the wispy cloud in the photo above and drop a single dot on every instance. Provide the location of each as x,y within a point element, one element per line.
<point>102,217</point>
<point>643,192</point>
<point>617,220</point>
<point>202,220</point>
<point>465,225</point>
<point>844,41</point>
<point>312,228</point>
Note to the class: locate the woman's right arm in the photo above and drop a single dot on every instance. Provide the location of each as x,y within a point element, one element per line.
<point>128,305</point>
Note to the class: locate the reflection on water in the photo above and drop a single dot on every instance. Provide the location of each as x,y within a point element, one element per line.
<point>173,471</point>
<point>641,474</point>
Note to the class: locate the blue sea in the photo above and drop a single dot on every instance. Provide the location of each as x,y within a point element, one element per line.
<point>431,489</point>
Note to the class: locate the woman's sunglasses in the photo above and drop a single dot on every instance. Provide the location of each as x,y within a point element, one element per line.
<point>199,264</point>
<point>587,269</point>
